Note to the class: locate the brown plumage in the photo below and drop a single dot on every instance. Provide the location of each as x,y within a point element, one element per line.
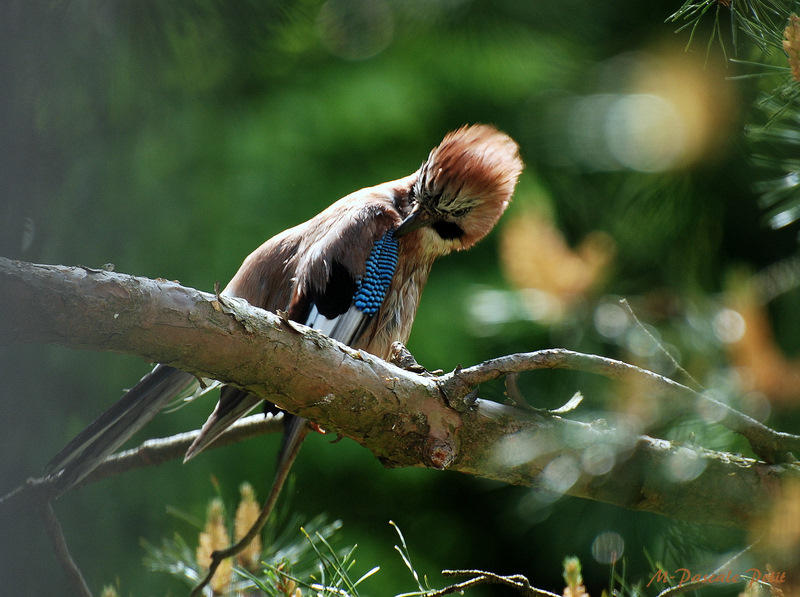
<point>317,271</point>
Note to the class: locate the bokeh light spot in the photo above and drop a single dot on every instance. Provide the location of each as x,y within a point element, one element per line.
<point>560,474</point>
<point>712,410</point>
<point>523,447</point>
<point>729,326</point>
<point>651,112</point>
<point>598,459</point>
<point>641,342</point>
<point>355,29</point>
<point>644,132</point>
<point>756,405</point>
<point>685,465</point>
<point>611,320</point>
<point>488,309</point>
<point>607,547</point>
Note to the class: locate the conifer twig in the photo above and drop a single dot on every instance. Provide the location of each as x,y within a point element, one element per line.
<point>56,534</point>
<point>218,556</point>
<point>516,581</point>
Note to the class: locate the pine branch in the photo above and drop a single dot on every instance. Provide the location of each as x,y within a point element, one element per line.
<point>404,418</point>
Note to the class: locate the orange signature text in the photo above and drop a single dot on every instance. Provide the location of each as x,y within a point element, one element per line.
<point>752,575</point>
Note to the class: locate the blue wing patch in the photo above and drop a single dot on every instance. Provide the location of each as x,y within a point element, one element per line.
<point>381,263</point>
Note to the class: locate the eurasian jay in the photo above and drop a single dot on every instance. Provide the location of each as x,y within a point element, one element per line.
<point>355,272</point>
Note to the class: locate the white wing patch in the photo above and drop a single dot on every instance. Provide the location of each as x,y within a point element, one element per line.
<point>345,328</point>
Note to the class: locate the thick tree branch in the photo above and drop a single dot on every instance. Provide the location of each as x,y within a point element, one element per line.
<point>405,419</point>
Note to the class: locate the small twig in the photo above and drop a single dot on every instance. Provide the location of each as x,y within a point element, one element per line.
<point>150,453</point>
<point>513,393</point>
<point>516,581</point>
<point>771,445</point>
<point>516,399</point>
<point>42,489</point>
<point>56,535</point>
<point>694,383</point>
<point>154,452</point>
<point>682,588</point>
<point>218,556</point>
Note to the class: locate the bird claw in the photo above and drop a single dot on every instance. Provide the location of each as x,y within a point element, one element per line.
<point>402,357</point>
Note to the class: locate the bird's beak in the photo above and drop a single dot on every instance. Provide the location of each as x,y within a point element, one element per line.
<point>419,218</point>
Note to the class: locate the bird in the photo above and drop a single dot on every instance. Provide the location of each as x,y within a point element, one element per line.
<point>355,272</point>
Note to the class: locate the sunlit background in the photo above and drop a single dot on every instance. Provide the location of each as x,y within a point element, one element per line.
<point>171,139</point>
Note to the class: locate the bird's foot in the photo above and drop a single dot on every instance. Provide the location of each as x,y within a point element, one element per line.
<point>403,358</point>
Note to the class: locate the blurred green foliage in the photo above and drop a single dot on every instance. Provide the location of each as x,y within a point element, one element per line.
<point>173,138</point>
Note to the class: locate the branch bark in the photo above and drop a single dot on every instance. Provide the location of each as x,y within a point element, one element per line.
<point>405,419</point>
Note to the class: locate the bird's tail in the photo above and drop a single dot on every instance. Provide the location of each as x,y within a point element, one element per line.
<point>117,424</point>
<point>233,404</point>
<point>295,430</point>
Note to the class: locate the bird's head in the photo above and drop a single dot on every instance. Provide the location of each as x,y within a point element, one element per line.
<point>462,189</point>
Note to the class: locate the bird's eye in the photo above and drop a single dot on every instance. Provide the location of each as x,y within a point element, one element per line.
<point>459,213</point>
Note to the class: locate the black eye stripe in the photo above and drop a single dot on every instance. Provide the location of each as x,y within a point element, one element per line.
<point>448,230</point>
